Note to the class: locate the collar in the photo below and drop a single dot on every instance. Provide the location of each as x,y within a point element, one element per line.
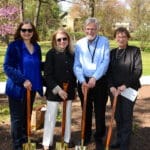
<point>93,41</point>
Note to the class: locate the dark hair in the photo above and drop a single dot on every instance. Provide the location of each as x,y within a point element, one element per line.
<point>35,36</point>
<point>122,30</point>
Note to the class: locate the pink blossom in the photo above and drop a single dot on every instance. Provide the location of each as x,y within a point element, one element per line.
<point>9,16</point>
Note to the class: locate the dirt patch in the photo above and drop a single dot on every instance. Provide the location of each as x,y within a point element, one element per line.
<point>141,125</point>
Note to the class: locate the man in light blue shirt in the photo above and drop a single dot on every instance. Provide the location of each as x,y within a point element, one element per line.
<point>91,63</point>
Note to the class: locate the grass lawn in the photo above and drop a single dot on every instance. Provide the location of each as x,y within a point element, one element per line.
<point>45,46</point>
<point>146,63</point>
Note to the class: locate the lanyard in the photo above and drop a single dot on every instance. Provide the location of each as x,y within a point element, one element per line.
<point>92,55</point>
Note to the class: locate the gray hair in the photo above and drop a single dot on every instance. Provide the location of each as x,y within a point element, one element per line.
<point>92,20</point>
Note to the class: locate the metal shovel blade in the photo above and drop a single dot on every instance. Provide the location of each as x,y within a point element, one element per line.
<point>61,146</point>
<point>107,148</point>
<point>29,146</point>
<point>80,148</point>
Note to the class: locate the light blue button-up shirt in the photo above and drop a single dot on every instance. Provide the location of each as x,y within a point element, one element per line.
<point>91,58</point>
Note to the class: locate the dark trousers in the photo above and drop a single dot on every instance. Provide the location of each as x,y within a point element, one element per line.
<point>96,101</point>
<point>124,117</point>
<point>18,115</point>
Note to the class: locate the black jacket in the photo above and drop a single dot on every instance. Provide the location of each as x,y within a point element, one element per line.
<point>126,68</point>
<point>58,68</point>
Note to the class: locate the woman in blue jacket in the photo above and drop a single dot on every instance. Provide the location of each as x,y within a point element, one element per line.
<point>22,66</point>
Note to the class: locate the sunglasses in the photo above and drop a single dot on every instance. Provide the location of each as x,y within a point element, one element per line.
<point>27,30</point>
<point>61,39</point>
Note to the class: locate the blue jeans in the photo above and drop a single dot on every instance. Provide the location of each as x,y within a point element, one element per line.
<point>18,116</point>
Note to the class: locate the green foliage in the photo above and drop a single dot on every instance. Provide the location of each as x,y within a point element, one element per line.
<point>143,35</point>
<point>4,113</point>
<point>77,35</point>
<point>48,19</point>
<point>146,62</point>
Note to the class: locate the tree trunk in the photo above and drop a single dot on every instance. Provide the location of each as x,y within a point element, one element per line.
<point>92,7</point>
<point>37,12</point>
<point>21,11</point>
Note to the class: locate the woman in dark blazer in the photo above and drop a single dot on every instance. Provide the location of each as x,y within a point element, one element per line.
<point>58,69</point>
<point>124,71</point>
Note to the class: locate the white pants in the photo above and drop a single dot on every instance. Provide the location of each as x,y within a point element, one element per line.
<point>50,121</point>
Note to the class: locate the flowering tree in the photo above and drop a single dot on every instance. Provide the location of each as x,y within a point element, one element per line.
<point>9,17</point>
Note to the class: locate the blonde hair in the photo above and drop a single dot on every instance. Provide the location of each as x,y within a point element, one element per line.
<point>63,31</point>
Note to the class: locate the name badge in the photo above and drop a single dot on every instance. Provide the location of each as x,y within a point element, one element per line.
<point>92,66</point>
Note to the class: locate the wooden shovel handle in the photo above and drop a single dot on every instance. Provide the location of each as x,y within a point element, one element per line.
<point>84,113</point>
<point>65,88</point>
<point>28,113</point>
<point>111,123</point>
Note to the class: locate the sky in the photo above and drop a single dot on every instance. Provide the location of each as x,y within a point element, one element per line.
<point>65,5</point>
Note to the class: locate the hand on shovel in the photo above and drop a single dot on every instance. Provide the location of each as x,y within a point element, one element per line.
<point>62,94</point>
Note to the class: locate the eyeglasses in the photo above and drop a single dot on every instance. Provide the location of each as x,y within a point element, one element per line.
<point>61,39</point>
<point>91,29</point>
<point>25,30</point>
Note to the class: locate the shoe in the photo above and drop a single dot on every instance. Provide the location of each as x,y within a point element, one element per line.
<point>71,144</point>
<point>51,147</point>
<point>48,147</point>
<point>18,148</point>
<point>45,147</point>
<point>115,145</point>
<point>99,145</point>
<point>87,141</point>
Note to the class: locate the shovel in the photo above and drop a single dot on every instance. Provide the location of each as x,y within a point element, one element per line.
<point>29,145</point>
<point>82,147</point>
<point>62,145</point>
<point>111,123</point>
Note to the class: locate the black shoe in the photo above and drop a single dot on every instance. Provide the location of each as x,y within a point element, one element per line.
<point>51,147</point>
<point>86,142</point>
<point>115,145</point>
<point>71,144</point>
<point>99,145</point>
<point>17,148</point>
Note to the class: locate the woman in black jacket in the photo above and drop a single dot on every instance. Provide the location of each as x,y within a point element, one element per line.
<point>124,71</point>
<point>57,70</point>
